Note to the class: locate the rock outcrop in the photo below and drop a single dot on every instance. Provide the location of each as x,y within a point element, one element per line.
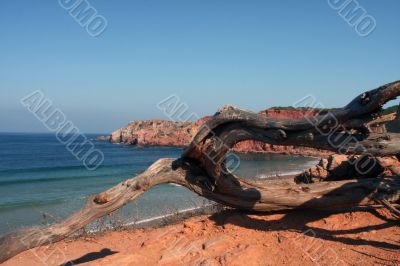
<point>103,138</point>
<point>179,134</point>
<point>157,133</point>
<point>340,167</point>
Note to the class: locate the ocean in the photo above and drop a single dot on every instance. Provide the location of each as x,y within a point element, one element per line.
<point>42,182</point>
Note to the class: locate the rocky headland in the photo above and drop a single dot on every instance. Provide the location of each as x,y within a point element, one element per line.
<point>180,134</point>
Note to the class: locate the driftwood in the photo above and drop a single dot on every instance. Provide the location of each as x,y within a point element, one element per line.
<point>203,168</point>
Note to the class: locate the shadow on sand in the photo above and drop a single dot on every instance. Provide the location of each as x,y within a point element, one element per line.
<point>90,257</point>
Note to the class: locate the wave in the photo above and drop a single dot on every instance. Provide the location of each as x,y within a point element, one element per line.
<point>59,168</point>
<point>30,204</point>
<point>41,169</point>
<point>286,173</point>
<point>63,173</point>
<point>167,215</point>
<point>53,179</point>
<point>175,185</point>
<point>265,176</point>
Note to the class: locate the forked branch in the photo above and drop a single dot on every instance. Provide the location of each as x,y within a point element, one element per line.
<point>201,168</point>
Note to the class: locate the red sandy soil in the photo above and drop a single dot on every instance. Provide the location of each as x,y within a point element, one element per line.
<point>362,237</point>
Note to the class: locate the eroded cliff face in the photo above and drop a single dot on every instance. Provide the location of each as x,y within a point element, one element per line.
<point>288,113</point>
<point>180,134</point>
<point>157,133</point>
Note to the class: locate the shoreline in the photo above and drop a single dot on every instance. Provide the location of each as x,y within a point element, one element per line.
<point>157,221</point>
<point>33,216</point>
<point>317,154</point>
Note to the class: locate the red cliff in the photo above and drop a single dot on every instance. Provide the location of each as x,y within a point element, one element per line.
<point>173,133</point>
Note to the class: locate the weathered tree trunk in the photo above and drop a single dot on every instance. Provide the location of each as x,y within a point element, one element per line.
<point>202,168</point>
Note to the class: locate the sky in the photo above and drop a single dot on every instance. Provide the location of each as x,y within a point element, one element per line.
<point>252,54</point>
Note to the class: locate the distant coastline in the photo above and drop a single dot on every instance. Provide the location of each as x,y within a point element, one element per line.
<point>168,133</point>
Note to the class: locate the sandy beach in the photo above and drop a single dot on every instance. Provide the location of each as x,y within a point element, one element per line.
<point>360,237</point>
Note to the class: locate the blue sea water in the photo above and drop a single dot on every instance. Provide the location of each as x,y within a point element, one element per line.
<point>40,178</point>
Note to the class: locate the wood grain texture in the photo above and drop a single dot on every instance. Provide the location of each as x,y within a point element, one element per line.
<point>202,169</point>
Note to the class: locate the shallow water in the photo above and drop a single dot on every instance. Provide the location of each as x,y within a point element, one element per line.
<point>41,181</point>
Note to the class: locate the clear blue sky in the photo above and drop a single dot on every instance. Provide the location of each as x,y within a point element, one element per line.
<point>254,54</point>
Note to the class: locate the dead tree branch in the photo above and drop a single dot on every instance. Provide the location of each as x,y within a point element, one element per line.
<point>202,168</point>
